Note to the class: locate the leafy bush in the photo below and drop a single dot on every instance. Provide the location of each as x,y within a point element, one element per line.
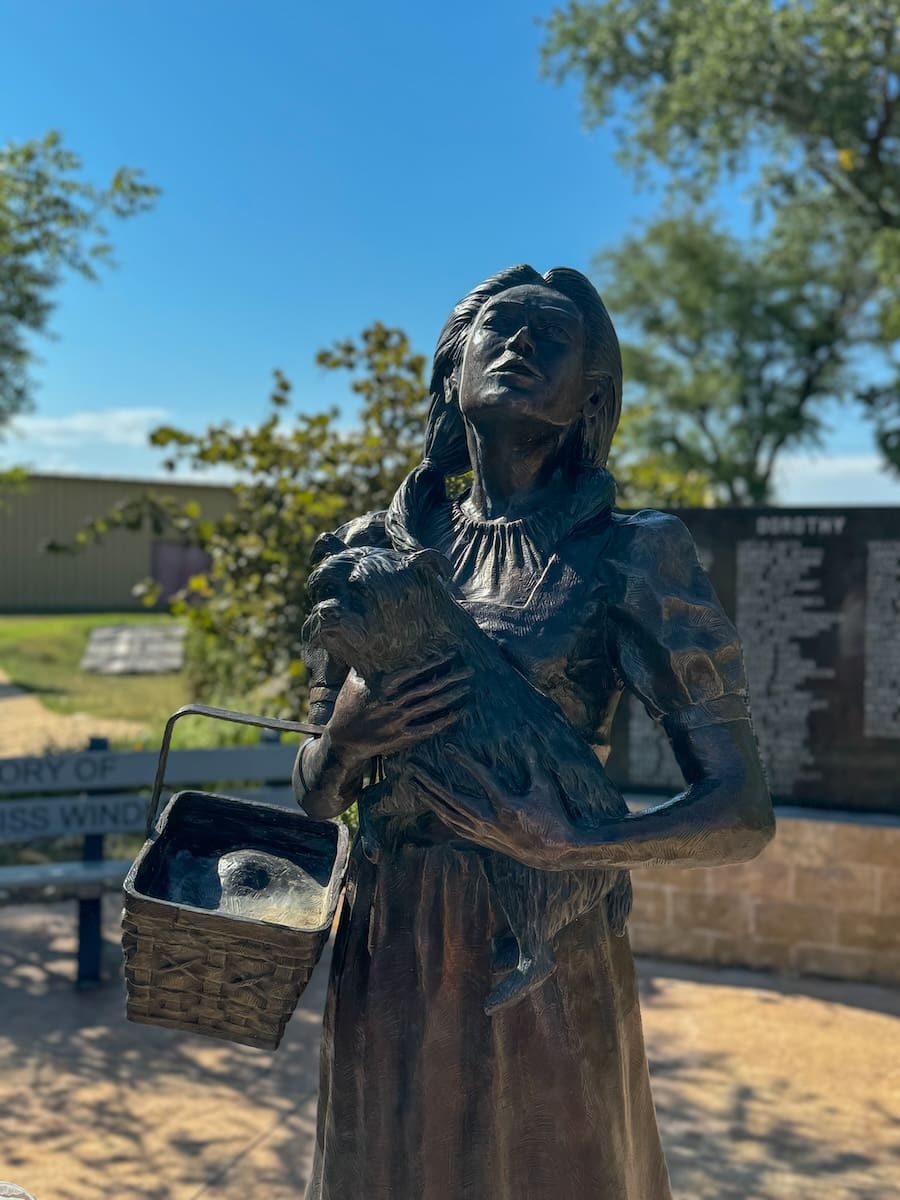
<point>296,475</point>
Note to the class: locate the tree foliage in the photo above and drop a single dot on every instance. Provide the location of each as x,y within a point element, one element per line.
<point>804,95</point>
<point>51,221</point>
<point>297,474</point>
<point>809,86</point>
<point>740,344</point>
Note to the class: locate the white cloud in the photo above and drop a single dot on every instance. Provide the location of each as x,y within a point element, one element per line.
<point>836,479</point>
<point>110,427</point>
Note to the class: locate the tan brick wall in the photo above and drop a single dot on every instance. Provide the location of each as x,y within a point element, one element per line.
<point>823,899</point>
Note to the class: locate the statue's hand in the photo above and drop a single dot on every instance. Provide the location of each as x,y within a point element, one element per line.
<point>397,710</point>
<point>532,827</point>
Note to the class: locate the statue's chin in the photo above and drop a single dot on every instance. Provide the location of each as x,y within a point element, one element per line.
<point>500,406</point>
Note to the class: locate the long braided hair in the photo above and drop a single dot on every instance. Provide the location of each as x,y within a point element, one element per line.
<point>446,448</point>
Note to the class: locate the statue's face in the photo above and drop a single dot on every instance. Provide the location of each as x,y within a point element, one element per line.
<point>524,358</point>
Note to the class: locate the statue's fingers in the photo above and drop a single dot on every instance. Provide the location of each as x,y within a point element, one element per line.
<point>423,728</point>
<point>437,703</point>
<point>434,788</point>
<point>471,809</point>
<point>467,828</point>
<point>395,681</point>
<point>434,687</point>
<point>479,773</point>
<point>440,795</point>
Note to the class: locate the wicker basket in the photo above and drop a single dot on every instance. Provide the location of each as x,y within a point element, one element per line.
<point>216,973</point>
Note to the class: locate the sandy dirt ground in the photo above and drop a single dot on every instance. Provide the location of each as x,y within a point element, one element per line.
<point>26,727</point>
<point>766,1089</point>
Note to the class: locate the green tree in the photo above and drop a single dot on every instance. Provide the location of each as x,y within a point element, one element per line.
<point>809,87</point>
<point>804,95</point>
<point>51,221</point>
<point>648,474</point>
<point>739,346</point>
<point>297,474</point>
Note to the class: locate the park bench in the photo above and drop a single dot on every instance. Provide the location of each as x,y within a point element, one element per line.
<point>99,792</point>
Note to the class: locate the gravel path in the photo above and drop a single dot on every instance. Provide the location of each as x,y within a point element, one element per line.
<point>766,1089</point>
<point>26,727</point>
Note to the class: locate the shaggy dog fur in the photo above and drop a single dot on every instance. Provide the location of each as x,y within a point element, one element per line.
<point>379,611</point>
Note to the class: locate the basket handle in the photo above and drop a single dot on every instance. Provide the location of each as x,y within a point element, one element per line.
<point>221,714</point>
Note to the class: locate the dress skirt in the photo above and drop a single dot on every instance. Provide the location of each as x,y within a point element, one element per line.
<point>424,1097</point>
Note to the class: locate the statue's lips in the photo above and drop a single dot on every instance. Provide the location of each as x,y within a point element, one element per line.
<point>515,366</point>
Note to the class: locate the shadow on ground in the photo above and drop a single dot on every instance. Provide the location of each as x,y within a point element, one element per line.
<point>93,1106</point>
<point>770,1088</point>
<point>766,1089</point>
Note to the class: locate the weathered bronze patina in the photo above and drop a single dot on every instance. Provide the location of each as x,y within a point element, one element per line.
<point>483,822</point>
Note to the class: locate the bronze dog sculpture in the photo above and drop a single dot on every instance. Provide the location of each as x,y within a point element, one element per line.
<point>377,610</point>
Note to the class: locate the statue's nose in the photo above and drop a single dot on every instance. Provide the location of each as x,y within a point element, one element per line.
<point>522,342</point>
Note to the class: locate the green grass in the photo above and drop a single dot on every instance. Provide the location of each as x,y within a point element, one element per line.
<point>43,654</point>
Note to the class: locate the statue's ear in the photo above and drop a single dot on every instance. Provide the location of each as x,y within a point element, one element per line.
<point>324,546</point>
<point>596,401</point>
<point>434,561</point>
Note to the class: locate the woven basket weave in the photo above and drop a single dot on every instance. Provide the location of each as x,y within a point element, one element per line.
<point>222,974</point>
<point>216,973</point>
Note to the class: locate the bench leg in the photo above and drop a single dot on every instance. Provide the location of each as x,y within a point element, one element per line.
<point>90,928</point>
<point>90,943</point>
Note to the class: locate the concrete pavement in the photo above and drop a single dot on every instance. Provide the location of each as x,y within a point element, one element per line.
<point>766,1090</point>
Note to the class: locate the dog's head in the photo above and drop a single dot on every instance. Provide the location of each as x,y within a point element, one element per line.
<point>374,608</point>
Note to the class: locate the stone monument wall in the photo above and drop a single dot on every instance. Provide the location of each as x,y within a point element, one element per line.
<point>815,596</point>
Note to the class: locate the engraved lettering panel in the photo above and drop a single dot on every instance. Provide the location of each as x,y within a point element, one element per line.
<point>882,677</point>
<point>815,595</point>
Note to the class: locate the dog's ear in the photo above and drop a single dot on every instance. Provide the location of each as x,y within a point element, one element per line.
<point>434,561</point>
<point>324,546</point>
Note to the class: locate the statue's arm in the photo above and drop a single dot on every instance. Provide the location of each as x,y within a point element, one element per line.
<point>673,647</point>
<point>325,784</point>
<point>326,781</point>
<point>676,649</point>
<point>724,815</point>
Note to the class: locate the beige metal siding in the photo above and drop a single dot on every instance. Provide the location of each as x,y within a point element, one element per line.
<point>54,507</point>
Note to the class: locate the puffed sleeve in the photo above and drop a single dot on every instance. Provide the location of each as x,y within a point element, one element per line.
<point>671,642</point>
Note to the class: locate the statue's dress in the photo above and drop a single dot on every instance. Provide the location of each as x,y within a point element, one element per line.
<point>423,1097</point>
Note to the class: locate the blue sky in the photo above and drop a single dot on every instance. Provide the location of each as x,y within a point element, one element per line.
<point>323,165</point>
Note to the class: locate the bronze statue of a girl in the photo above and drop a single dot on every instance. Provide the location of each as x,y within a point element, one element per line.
<point>424,1096</point>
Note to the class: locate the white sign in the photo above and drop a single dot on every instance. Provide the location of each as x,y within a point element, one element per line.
<point>100,770</point>
<point>21,820</point>
<point>58,816</point>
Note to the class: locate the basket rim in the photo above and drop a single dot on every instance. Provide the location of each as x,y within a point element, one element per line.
<point>341,858</point>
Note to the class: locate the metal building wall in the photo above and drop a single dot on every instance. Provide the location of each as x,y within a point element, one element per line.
<point>54,507</point>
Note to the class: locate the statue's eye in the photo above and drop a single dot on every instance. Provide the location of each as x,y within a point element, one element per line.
<point>556,333</point>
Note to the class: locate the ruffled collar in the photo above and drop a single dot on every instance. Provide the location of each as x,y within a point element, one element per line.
<point>501,559</point>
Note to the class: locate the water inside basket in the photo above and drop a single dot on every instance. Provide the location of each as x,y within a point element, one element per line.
<point>246,882</point>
